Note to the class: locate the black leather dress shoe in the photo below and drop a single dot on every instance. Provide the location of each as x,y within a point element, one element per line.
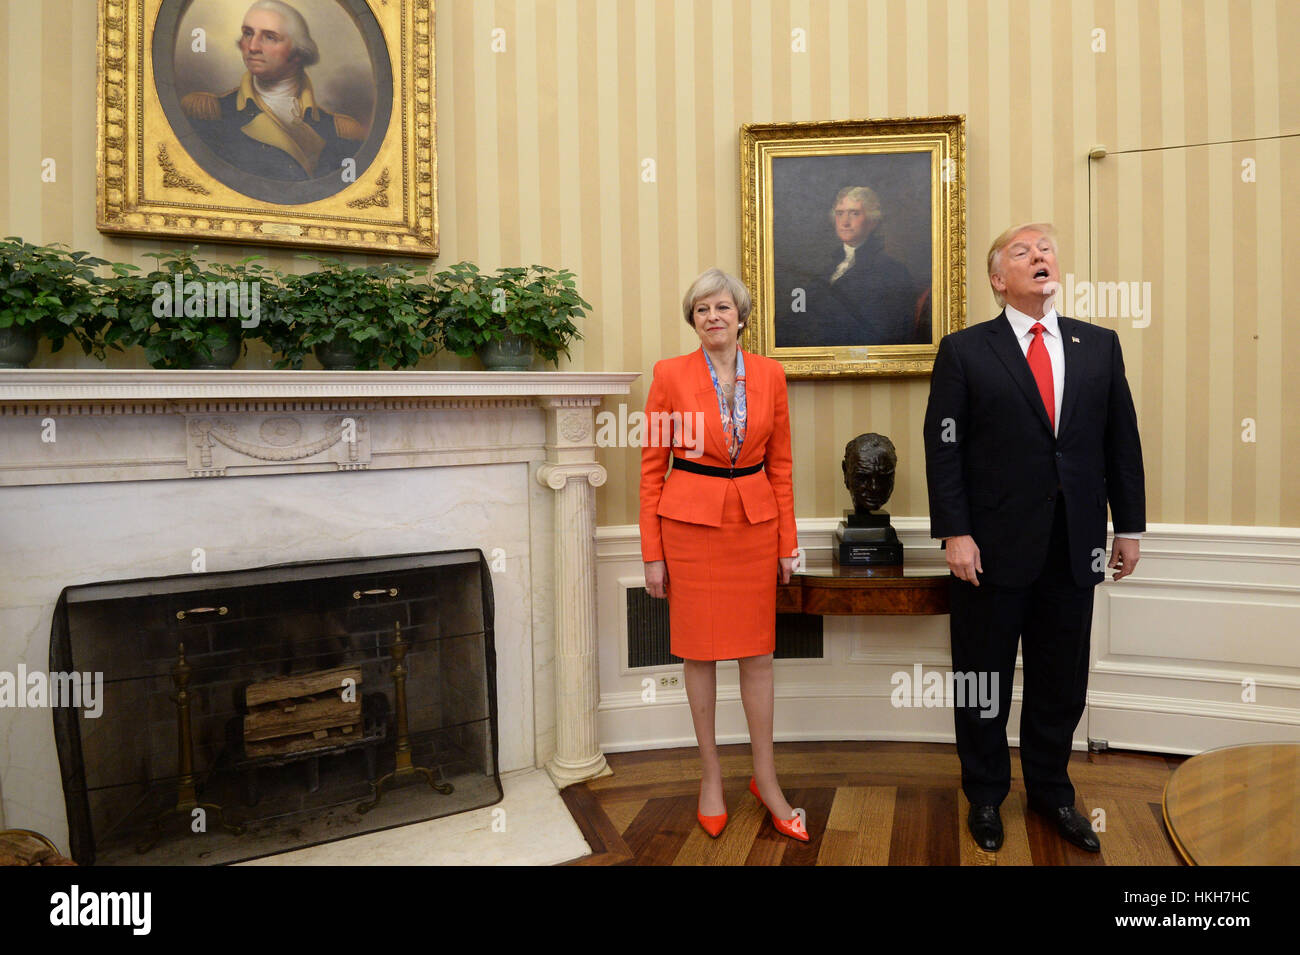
<point>985,827</point>
<point>1072,825</point>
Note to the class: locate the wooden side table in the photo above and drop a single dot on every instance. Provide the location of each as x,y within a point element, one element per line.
<point>833,590</point>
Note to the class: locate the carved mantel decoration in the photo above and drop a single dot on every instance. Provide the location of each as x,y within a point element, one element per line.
<point>218,443</point>
<point>571,471</point>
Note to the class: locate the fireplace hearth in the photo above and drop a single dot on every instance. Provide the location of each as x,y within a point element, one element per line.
<point>251,712</point>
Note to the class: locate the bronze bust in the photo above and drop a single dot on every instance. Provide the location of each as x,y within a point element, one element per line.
<point>865,536</point>
<point>869,463</point>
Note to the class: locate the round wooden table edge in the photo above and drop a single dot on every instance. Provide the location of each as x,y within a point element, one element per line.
<point>1169,826</point>
<point>1164,796</point>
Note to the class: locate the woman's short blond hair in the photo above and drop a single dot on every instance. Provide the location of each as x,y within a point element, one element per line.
<point>711,282</point>
<point>1004,240</point>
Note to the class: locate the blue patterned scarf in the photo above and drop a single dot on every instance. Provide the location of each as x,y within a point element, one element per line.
<point>733,422</point>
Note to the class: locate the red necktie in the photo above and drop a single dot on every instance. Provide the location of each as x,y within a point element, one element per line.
<point>1041,365</point>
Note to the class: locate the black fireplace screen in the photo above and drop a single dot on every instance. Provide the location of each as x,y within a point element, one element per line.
<point>252,712</point>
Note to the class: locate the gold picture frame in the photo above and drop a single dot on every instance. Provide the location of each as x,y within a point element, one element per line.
<point>893,191</point>
<point>188,148</point>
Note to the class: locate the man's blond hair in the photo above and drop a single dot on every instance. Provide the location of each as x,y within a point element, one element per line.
<point>1004,240</point>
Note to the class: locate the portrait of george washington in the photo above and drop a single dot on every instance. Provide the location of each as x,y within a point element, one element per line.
<point>285,102</point>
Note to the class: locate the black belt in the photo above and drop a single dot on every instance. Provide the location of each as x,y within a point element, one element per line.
<point>688,465</point>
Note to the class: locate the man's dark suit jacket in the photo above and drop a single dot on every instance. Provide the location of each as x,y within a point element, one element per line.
<point>998,476</point>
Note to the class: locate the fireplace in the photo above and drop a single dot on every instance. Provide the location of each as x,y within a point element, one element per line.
<point>503,461</point>
<point>251,712</point>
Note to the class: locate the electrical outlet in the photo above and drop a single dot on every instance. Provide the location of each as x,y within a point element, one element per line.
<point>667,681</point>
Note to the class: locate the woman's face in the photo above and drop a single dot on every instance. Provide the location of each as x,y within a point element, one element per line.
<point>716,320</point>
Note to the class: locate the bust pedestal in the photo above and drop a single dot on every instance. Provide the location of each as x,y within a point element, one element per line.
<point>867,539</point>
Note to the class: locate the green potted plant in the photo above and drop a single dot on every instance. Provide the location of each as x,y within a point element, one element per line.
<point>352,317</point>
<point>186,315</point>
<point>45,292</point>
<point>507,317</point>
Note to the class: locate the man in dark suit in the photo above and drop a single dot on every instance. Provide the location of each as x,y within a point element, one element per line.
<point>1030,430</point>
<point>860,295</point>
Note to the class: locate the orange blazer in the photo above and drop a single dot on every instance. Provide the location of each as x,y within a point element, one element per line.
<point>683,385</point>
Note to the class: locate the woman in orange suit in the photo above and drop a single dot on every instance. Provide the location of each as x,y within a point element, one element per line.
<point>718,531</point>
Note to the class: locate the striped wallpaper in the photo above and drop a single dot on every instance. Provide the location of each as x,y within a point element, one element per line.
<point>541,148</point>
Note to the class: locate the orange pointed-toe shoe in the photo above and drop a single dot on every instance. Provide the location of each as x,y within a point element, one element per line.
<point>793,827</point>
<point>713,825</point>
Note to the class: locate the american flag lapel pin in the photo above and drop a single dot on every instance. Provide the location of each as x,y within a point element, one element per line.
<point>1073,339</point>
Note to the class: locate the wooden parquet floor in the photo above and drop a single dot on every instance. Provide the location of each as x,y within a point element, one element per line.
<point>868,803</point>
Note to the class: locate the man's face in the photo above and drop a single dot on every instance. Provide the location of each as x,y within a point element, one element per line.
<point>851,222</point>
<point>1026,272</point>
<point>268,54</point>
<point>870,480</point>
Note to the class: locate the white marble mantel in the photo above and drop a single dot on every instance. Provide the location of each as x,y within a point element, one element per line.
<point>104,385</point>
<point>114,474</point>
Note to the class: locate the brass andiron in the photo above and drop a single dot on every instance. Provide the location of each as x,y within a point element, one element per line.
<point>187,797</point>
<point>404,769</point>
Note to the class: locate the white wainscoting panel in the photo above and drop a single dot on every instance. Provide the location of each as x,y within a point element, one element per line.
<point>1199,648</point>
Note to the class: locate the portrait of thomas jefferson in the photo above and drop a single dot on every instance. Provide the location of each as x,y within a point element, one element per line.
<point>279,97</point>
<point>855,271</point>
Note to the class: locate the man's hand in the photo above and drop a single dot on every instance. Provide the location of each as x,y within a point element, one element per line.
<point>656,578</point>
<point>785,567</point>
<point>964,558</point>
<point>1123,556</point>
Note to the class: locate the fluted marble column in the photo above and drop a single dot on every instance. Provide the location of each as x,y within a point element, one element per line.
<point>571,471</point>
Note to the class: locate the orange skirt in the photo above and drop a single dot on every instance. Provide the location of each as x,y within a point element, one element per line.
<point>721,585</point>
